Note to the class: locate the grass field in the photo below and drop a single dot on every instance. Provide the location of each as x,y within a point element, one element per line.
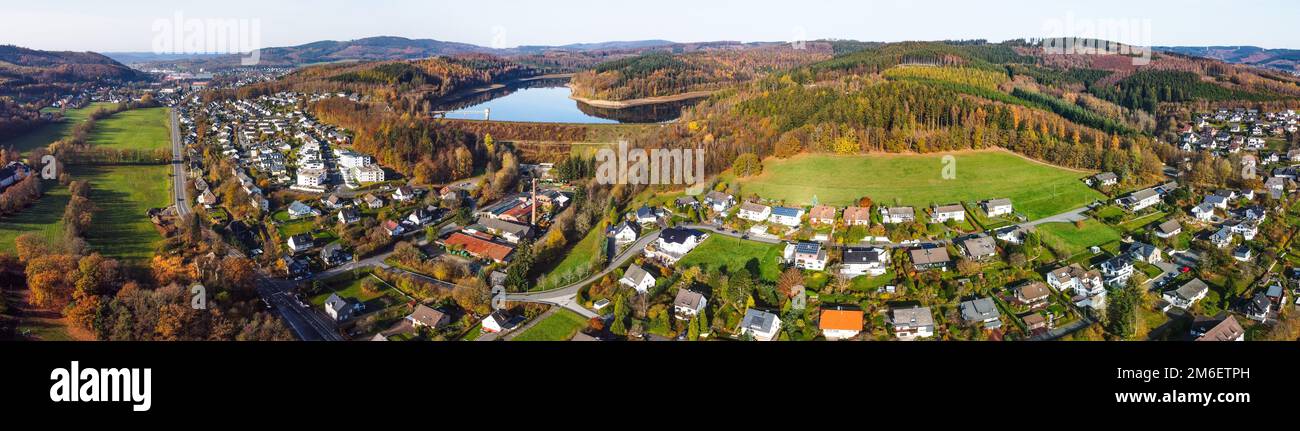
<point>47,134</point>
<point>124,194</point>
<point>351,289</point>
<point>1067,237</point>
<point>575,263</point>
<point>735,254</point>
<point>45,217</point>
<point>559,326</point>
<point>139,129</point>
<point>1037,190</point>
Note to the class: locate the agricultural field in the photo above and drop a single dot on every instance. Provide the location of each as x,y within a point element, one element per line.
<point>45,135</point>
<point>734,254</point>
<point>124,195</point>
<point>575,263</point>
<point>138,129</point>
<point>1076,240</point>
<point>385,296</point>
<point>1037,190</point>
<point>559,326</point>
<point>45,218</point>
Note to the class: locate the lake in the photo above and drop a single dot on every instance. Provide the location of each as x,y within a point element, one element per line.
<point>549,102</point>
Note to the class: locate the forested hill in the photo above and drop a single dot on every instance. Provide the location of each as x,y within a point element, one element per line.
<point>1285,60</point>
<point>664,73</point>
<point>1098,112</point>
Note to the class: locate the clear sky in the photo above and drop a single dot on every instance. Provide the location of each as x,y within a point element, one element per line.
<point>106,26</point>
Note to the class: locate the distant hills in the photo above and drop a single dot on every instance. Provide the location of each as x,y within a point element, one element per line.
<point>1287,60</point>
<point>372,49</point>
<point>29,66</point>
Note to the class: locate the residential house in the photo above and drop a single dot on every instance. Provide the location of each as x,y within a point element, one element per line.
<point>809,255</point>
<point>349,216</point>
<point>840,323</point>
<point>338,308</point>
<point>786,216</point>
<point>930,258</point>
<point>1247,229</point>
<point>1257,307</point>
<point>1222,238</point>
<point>393,228</point>
<point>333,201</point>
<point>688,303</point>
<point>420,217</point>
<point>625,233</point>
<point>979,247</point>
<point>1117,270</point>
<point>1035,322</point>
<point>424,316</point>
<point>719,201</point>
<point>1033,294</point>
<point>896,215</point>
<point>1106,179</point>
<point>312,178</point>
<point>1084,283</point>
<point>1188,294</point>
<point>207,199</point>
<point>673,243</point>
<point>822,214</point>
<point>300,243</point>
<point>943,213</point>
<point>857,216</point>
<point>648,215</point>
<point>1220,202</point>
<point>404,194</point>
<point>1168,229</point>
<point>1014,234</point>
<point>298,210</point>
<point>858,261</point>
<point>12,173</point>
<point>1145,252</point>
<point>499,321</point>
<point>1223,328</point>
<point>1204,212</point>
<point>997,207</point>
<point>368,174</point>
<point>372,201</point>
<point>1242,253</point>
<point>911,323</point>
<point>981,311</point>
<point>761,325</point>
<point>754,212</point>
<point>334,255</point>
<point>637,279</point>
<point>1139,200</point>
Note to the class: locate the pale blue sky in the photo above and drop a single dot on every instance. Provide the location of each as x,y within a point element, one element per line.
<point>128,25</point>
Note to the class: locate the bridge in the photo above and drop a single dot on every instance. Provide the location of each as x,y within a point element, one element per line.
<point>487,113</point>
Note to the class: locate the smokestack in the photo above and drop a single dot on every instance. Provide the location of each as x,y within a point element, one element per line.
<point>534,221</point>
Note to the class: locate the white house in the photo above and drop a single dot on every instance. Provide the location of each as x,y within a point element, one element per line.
<point>309,177</point>
<point>638,279</point>
<point>786,216</point>
<point>298,210</point>
<point>895,215</point>
<point>839,323</point>
<point>673,243</point>
<point>1139,200</point>
<point>368,174</point>
<point>761,325</point>
<point>300,243</point>
<point>944,213</point>
<point>719,201</point>
<point>864,261</point>
<point>754,212</point>
<point>912,323</point>
<point>338,308</point>
<point>997,207</point>
<point>1187,295</point>
<point>498,321</point>
<point>1204,212</point>
<point>349,216</point>
<point>688,303</point>
<point>808,255</point>
<point>1117,270</point>
<point>625,233</point>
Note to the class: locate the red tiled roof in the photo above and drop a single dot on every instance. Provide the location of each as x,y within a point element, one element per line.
<point>478,247</point>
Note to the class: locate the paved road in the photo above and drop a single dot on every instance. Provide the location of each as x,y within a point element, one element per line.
<point>1065,217</point>
<point>305,323</point>
<point>180,196</point>
<point>567,296</point>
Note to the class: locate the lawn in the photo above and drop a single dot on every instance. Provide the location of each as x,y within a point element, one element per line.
<point>45,135</point>
<point>576,263</point>
<point>1074,240</point>
<point>1037,190</point>
<point>719,251</point>
<point>351,289</point>
<point>124,195</point>
<point>559,326</point>
<point>138,129</point>
<point>45,218</point>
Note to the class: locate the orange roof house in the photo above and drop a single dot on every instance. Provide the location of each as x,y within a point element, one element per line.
<point>478,247</point>
<point>839,323</point>
<point>822,214</point>
<point>856,216</point>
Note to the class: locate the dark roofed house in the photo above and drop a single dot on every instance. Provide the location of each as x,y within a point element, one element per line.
<point>979,247</point>
<point>338,308</point>
<point>981,310</point>
<point>427,317</point>
<point>930,258</point>
<point>1033,294</point>
<point>1218,329</point>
